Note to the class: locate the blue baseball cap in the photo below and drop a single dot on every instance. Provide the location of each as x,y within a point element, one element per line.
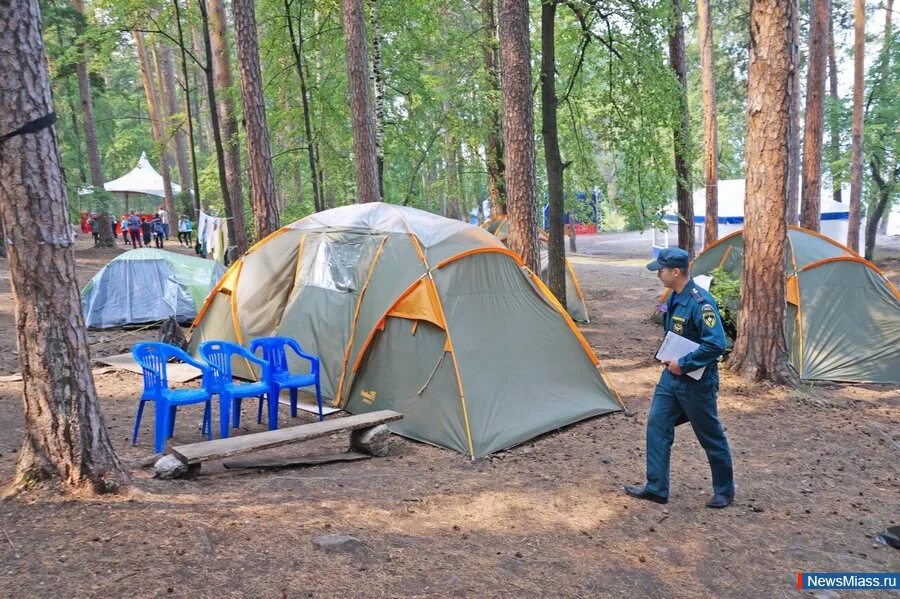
<point>670,258</point>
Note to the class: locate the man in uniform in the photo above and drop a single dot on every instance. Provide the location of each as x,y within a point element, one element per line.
<point>690,312</point>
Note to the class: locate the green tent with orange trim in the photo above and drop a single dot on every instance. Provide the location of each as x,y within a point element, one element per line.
<point>409,311</point>
<point>575,304</point>
<point>843,316</point>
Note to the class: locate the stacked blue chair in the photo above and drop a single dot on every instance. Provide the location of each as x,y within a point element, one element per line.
<point>273,351</point>
<point>219,355</point>
<point>153,357</point>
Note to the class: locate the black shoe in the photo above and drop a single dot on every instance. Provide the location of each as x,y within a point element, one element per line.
<point>720,501</point>
<point>640,493</point>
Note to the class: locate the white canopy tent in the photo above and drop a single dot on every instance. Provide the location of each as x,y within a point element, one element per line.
<point>142,180</point>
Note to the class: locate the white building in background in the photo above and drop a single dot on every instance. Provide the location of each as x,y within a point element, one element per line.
<point>833,224</point>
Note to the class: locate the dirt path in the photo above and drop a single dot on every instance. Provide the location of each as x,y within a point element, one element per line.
<point>816,474</point>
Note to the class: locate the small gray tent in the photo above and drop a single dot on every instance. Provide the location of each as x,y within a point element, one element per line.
<point>843,315</point>
<point>148,285</point>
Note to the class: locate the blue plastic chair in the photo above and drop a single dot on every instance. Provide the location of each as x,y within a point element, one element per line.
<point>153,357</point>
<point>220,354</point>
<point>273,351</point>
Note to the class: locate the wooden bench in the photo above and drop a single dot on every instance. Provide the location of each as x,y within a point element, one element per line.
<point>195,454</point>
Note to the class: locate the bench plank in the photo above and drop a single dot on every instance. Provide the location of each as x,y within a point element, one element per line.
<point>195,453</point>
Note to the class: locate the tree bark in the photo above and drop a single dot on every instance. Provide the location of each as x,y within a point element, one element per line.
<point>237,238</point>
<point>262,178</point>
<point>378,84</point>
<point>156,120</point>
<point>65,438</point>
<point>792,206</point>
<point>760,351</point>
<point>311,153</point>
<point>833,122</point>
<point>195,205</point>
<point>811,199</point>
<point>856,157</point>
<point>361,114</point>
<point>176,127</point>
<point>556,276</point>
<point>682,137</point>
<point>90,131</point>
<point>518,130</point>
<point>710,123</point>
<point>228,128</point>
<point>197,43</point>
<point>884,189</point>
<point>494,148</point>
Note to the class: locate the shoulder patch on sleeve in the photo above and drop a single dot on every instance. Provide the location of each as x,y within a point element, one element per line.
<point>707,308</point>
<point>697,295</point>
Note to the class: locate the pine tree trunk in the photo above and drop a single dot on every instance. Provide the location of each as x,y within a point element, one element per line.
<point>165,122</point>
<point>518,130</point>
<point>811,199</point>
<point>228,128</point>
<point>760,351</point>
<point>833,122</point>
<point>494,148</point>
<point>710,126</point>
<point>792,206</point>
<point>312,155</point>
<point>556,245</point>
<point>883,189</point>
<point>262,178</point>
<point>176,127</point>
<point>194,212</point>
<point>682,137</point>
<point>361,112</point>
<point>65,438</point>
<point>197,43</point>
<point>237,238</point>
<point>856,157</point>
<point>90,131</point>
<point>378,84</point>
<point>156,119</point>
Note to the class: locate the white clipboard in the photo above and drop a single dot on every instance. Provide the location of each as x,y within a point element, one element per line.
<point>674,347</point>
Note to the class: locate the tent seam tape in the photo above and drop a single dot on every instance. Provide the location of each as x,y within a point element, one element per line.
<point>337,398</point>
<point>799,304</point>
<point>462,396</point>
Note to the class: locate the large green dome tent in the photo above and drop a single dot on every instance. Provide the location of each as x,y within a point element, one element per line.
<point>417,313</point>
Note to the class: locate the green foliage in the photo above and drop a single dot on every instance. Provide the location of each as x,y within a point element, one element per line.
<point>618,99</point>
<point>726,289</point>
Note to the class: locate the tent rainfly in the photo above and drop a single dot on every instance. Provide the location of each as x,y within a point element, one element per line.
<point>843,315</point>
<point>148,285</point>
<point>575,303</point>
<point>409,311</point>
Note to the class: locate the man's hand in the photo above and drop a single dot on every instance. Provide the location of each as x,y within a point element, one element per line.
<point>673,367</point>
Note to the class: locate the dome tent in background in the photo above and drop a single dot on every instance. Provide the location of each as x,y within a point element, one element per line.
<point>409,311</point>
<point>843,315</point>
<point>575,303</point>
<point>148,285</point>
